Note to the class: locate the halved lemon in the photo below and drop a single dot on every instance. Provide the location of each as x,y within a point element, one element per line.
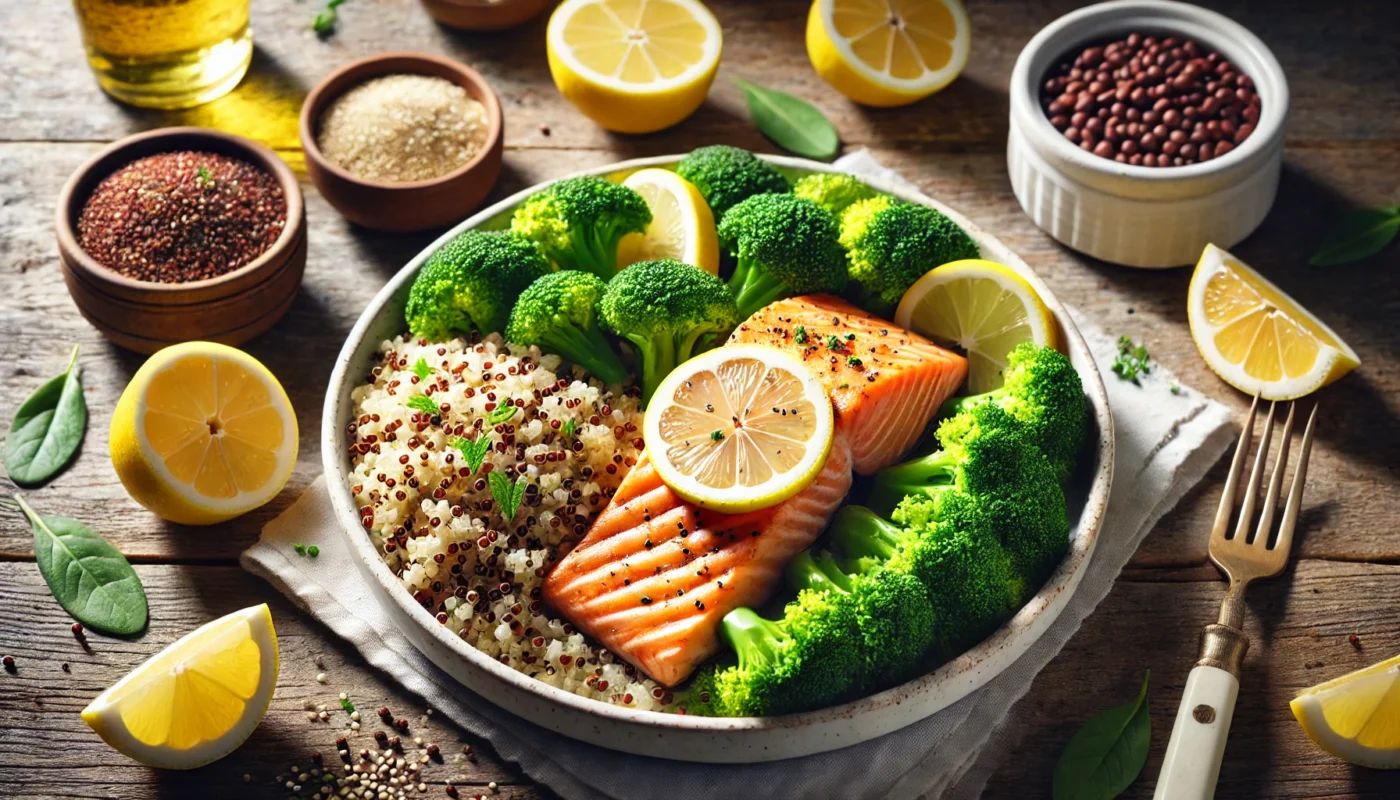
<point>982,308</point>
<point>197,700</point>
<point>203,433</point>
<point>682,225</point>
<point>1256,338</point>
<point>1356,717</point>
<point>634,66</point>
<point>888,52</point>
<point>739,428</point>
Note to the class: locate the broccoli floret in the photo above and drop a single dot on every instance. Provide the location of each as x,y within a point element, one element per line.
<point>577,222</point>
<point>670,311</point>
<point>833,191</point>
<point>1044,392</point>
<point>558,313</point>
<point>893,613</point>
<point>890,244</point>
<point>726,175</point>
<point>470,283</point>
<point>784,246</point>
<point>806,660</point>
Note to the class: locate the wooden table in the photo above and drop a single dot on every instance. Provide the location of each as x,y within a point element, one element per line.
<point>1343,148</point>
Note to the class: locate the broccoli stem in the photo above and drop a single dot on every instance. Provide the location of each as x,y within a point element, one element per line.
<point>956,405</point>
<point>588,349</point>
<point>818,572</point>
<point>927,476</point>
<point>754,288</point>
<point>754,639</point>
<point>863,534</point>
<point>595,249</point>
<point>658,360</point>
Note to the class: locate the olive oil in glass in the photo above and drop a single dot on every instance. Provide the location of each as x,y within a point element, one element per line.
<point>166,53</point>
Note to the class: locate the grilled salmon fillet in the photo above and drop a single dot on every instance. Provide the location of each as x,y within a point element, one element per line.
<point>885,382</point>
<point>654,576</point>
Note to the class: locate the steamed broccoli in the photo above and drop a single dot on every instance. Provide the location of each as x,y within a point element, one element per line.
<point>1043,391</point>
<point>785,246</point>
<point>470,283</point>
<point>833,191</point>
<point>726,175</point>
<point>890,244</point>
<point>893,613</point>
<point>558,313</point>
<point>578,222</point>
<point>670,311</point>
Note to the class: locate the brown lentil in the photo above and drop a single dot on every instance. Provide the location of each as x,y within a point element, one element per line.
<point>183,216</point>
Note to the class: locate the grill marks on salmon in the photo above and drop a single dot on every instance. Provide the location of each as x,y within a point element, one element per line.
<point>885,382</point>
<point>654,576</point>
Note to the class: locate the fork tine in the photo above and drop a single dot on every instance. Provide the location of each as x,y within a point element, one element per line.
<point>1295,495</point>
<point>1266,517</point>
<point>1227,499</point>
<point>1256,476</point>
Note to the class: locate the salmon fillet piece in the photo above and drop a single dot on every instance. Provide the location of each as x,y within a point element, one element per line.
<point>654,576</point>
<point>885,382</point>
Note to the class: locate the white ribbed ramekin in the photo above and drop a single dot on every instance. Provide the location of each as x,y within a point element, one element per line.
<point>1143,216</point>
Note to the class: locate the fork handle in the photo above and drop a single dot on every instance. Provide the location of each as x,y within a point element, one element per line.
<point>1197,745</point>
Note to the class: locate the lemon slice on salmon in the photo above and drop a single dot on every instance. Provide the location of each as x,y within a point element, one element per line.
<point>682,225</point>
<point>633,66</point>
<point>739,428</point>
<point>197,700</point>
<point>1356,717</point>
<point>982,308</point>
<point>203,433</point>
<point>888,52</point>
<point>1256,338</point>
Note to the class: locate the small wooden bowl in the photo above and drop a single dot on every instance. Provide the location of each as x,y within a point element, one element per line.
<point>413,205</point>
<point>484,15</point>
<point>144,315</point>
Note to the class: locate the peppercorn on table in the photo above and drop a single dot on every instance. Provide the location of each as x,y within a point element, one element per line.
<point>1335,611</point>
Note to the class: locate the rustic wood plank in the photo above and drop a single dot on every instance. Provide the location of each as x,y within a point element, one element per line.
<point>47,751</point>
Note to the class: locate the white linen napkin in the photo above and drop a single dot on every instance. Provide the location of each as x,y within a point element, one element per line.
<point>1165,443</point>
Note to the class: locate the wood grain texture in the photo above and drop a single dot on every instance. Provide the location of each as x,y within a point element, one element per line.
<point>1343,148</point>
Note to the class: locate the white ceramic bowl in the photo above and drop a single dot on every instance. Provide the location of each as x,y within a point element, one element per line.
<point>1143,216</point>
<point>693,738</point>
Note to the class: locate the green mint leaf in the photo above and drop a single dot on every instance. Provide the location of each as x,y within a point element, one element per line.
<point>48,428</point>
<point>569,426</point>
<point>507,494</point>
<point>421,369</point>
<point>501,414</point>
<point>325,19</point>
<point>347,705</point>
<point>791,123</point>
<point>473,451</point>
<point>89,577</point>
<point>1359,233</point>
<point>423,403</point>
<point>1104,757</point>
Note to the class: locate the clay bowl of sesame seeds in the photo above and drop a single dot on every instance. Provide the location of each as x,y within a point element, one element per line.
<point>181,234</point>
<point>403,141</point>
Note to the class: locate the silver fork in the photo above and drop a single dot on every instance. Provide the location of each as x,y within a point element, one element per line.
<point>1192,763</point>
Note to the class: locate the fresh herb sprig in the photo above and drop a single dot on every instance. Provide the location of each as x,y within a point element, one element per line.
<point>474,452</point>
<point>48,428</point>
<point>324,21</point>
<point>569,426</point>
<point>1360,233</point>
<point>791,123</point>
<point>206,180</point>
<point>500,414</point>
<point>421,369</point>
<point>1132,361</point>
<point>507,494</point>
<point>1104,757</point>
<point>423,403</point>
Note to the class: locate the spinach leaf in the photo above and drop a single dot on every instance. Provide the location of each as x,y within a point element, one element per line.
<point>48,428</point>
<point>791,123</point>
<point>89,577</point>
<point>1106,755</point>
<point>1362,232</point>
<point>507,495</point>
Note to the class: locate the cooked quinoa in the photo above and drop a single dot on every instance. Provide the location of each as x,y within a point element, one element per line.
<point>437,525</point>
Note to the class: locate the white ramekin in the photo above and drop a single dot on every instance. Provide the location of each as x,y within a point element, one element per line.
<point>1143,216</point>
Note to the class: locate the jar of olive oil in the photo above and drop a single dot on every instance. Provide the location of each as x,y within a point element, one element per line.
<point>166,53</point>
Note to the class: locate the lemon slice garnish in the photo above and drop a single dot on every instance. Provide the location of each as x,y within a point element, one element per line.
<point>197,700</point>
<point>682,225</point>
<point>888,52</point>
<point>634,66</point>
<point>203,433</point>
<point>1356,717</point>
<point>1256,338</point>
<point>981,308</point>
<point>739,428</point>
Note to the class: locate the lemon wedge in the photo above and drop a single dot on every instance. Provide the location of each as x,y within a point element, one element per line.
<point>203,433</point>
<point>1356,717</point>
<point>982,308</point>
<point>1256,338</point>
<point>633,66</point>
<point>682,225</point>
<point>888,52</point>
<point>197,700</point>
<point>739,428</point>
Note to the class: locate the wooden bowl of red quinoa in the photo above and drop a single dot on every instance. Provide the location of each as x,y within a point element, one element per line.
<point>147,314</point>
